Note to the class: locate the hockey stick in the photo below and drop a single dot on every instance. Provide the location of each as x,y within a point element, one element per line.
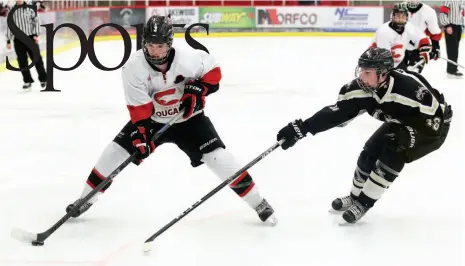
<point>149,242</point>
<point>452,62</point>
<point>38,239</point>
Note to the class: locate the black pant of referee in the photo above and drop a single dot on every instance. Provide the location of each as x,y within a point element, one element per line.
<point>23,53</point>
<point>452,45</point>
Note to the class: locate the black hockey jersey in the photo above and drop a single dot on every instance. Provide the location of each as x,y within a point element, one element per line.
<point>407,98</point>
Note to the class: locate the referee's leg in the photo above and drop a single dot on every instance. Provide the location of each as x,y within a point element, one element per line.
<point>39,66</point>
<point>452,45</point>
<point>21,53</point>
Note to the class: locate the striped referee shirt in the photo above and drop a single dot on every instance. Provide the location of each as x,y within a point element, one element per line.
<point>26,20</point>
<point>452,12</point>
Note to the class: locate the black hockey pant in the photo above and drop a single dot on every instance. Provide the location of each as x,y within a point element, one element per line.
<point>22,52</point>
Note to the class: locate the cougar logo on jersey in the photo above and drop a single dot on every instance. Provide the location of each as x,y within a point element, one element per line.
<point>421,92</point>
<point>160,97</point>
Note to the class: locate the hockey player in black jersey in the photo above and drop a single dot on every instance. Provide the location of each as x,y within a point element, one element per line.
<point>416,122</point>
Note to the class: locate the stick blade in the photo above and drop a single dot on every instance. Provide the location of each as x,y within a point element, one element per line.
<point>148,246</point>
<point>23,235</point>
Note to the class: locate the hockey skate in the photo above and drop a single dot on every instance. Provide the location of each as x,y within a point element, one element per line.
<point>79,211</point>
<point>342,204</point>
<point>266,213</point>
<point>355,213</point>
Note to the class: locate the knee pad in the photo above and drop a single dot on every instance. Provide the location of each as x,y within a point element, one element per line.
<point>366,162</point>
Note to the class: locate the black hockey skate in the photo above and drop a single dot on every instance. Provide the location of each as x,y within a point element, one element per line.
<point>342,204</point>
<point>27,86</point>
<point>266,212</point>
<point>355,212</point>
<point>79,211</point>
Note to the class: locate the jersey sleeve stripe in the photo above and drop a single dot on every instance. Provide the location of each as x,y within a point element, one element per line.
<point>140,112</point>
<point>429,110</point>
<point>213,76</point>
<point>397,98</point>
<point>354,94</point>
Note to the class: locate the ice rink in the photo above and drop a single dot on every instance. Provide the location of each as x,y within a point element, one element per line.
<point>51,141</point>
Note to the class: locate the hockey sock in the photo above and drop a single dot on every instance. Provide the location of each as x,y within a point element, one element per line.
<point>365,164</point>
<point>379,181</point>
<point>113,156</point>
<point>223,164</point>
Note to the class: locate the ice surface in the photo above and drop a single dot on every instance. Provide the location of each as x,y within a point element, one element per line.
<point>50,142</point>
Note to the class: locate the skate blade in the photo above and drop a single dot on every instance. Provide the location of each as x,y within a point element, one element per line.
<point>333,211</point>
<point>272,221</point>
<point>23,236</point>
<point>147,248</point>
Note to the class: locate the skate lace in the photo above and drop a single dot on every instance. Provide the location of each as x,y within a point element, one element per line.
<point>358,209</point>
<point>262,206</point>
<point>346,201</point>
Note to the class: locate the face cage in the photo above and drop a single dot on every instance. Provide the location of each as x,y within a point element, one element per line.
<point>413,4</point>
<point>156,61</point>
<point>362,85</point>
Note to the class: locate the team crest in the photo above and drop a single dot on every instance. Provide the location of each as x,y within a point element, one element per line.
<point>420,93</point>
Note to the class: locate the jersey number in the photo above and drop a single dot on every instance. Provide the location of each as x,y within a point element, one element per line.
<point>158,97</point>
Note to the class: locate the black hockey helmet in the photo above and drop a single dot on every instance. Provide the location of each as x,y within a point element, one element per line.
<point>158,29</point>
<point>402,9</point>
<point>376,58</point>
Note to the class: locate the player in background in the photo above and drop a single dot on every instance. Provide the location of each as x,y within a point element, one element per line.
<point>424,17</point>
<point>416,122</point>
<point>398,34</point>
<point>159,81</point>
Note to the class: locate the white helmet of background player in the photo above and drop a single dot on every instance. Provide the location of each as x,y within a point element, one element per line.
<point>157,39</point>
<point>399,16</point>
<point>373,68</point>
<point>412,4</point>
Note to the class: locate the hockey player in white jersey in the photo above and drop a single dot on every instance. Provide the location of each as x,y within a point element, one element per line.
<point>424,17</point>
<point>159,82</point>
<point>398,34</point>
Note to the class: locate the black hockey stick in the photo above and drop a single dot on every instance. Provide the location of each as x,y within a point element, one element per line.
<point>38,239</point>
<point>149,242</point>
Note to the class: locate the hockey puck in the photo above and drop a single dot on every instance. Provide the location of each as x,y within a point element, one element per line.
<point>37,243</point>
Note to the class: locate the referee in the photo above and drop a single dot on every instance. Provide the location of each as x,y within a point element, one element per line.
<point>27,21</point>
<point>452,18</point>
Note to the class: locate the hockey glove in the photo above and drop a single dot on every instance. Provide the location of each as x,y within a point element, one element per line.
<point>291,133</point>
<point>435,51</point>
<point>193,99</point>
<point>425,53</point>
<point>141,140</point>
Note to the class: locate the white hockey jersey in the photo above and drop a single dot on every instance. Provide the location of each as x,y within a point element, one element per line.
<point>151,93</point>
<point>388,38</point>
<point>427,21</point>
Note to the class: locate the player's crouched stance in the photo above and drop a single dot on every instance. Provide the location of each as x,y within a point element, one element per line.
<point>159,81</point>
<point>416,122</point>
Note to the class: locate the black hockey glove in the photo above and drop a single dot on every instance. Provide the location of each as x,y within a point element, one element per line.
<point>141,140</point>
<point>193,99</point>
<point>435,51</point>
<point>292,133</point>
